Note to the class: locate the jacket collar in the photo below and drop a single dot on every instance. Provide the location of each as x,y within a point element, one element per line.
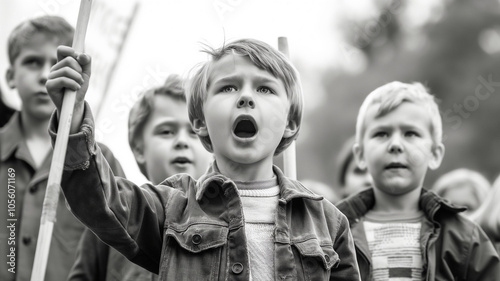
<point>359,204</point>
<point>289,189</point>
<point>11,140</point>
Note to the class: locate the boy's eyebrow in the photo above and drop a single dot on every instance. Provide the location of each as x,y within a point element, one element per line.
<point>259,79</point>
<point>37,56</point>
<point>389,127</point>
<point>170,122</point>
<point>34,56</point>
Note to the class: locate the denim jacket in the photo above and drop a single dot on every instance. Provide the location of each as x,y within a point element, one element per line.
<point>185,229</point>
<point>453,248</point>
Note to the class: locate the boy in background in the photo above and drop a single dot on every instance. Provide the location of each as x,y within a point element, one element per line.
<point>26,154</point>
<point>164,144</point>
<point>350,178</point>
<point>402,231</point>
<point>243,219</point>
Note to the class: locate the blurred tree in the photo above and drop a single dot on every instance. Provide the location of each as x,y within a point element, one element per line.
<point>447,55</point>
<point>5,111</point>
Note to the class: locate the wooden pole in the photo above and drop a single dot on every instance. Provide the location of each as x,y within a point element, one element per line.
<point>289,158</point>
<point>56,168</point>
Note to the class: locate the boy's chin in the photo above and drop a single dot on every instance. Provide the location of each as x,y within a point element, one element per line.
<point>42,113</point>
<point>397,188</point>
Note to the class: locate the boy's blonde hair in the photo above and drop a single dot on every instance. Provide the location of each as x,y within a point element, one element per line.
<point>479,184</point>
<point>53,27</point>
<point>392,95</point>
<point>262,56</point>
<point>143,107</point>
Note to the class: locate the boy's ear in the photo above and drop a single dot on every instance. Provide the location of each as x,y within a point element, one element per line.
<point>359,155</point>
<point>291,129</point>
<point>200,128</point>
<point>437,156</point>
<point>139,155</point>
<point>9,77</point>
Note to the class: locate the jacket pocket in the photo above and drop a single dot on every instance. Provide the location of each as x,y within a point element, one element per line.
<point>316,260</point>
<point>193,253</point>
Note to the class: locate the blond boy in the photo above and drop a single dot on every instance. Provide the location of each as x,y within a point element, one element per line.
<point>401,231</point>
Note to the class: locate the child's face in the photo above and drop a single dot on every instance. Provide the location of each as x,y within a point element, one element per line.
<point>398,148</point>
<point>29,73</point>
<point>169,144</point>
<point>356,179</point>
<point>246,112</point>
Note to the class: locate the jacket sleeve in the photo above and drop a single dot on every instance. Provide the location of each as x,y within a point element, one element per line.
<point>115,166</point>
<point>343,244</point>
<point>91,259</point>
<point>123,215</point>
<point>482,262</point>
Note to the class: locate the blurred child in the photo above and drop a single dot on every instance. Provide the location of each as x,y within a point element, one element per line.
<point>322,189</point>
<point>26,154</point>
<point>5,111</point>
<point>161,137</point>
<point>463,187</point>
<point>243,219</point>
<point>401,231</point>
<point>350,177</point>
<point>488,214</point>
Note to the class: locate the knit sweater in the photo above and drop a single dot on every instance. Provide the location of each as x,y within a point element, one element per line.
<point>260,200</point>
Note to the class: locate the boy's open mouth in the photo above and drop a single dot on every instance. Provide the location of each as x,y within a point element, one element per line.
<point>395,165</point>
<point>181,160</point>
<point>245,127</point>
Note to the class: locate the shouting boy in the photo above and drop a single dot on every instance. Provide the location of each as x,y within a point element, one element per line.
<point>243,219</point>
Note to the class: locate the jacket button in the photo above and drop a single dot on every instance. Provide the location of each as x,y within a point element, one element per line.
<point>33,189</point>
<point>26,240</point>
<point>237,268</point>
<point>327,258</point>
<point>196,239</point>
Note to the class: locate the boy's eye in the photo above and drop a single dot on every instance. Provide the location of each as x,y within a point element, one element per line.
<point>33,63</point>
<point>228,89</point>
<point>412,134</point>
<point>265,90</point>
<point>380,134</point>
<point>165,132</point>
<point>192,133</point>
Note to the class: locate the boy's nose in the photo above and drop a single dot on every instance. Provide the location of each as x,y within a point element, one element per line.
<point>395,146</point>
<point>246,101</point>
<point>182,140</point>
<point>44,73</point>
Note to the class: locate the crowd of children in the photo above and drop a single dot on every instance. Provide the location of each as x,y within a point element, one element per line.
<point>216,206</point>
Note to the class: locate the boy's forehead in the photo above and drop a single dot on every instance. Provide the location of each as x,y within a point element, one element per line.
<point>415,114</point>
<point>234,65</point>
<point>40,43</point>
<point>165,105</point>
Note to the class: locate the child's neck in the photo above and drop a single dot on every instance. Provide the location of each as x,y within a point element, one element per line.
<point>36,136</point>
<point>387,203</point>
<point>262,170</point>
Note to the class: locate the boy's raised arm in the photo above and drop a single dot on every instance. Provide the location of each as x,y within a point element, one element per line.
<point>125,216</point>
